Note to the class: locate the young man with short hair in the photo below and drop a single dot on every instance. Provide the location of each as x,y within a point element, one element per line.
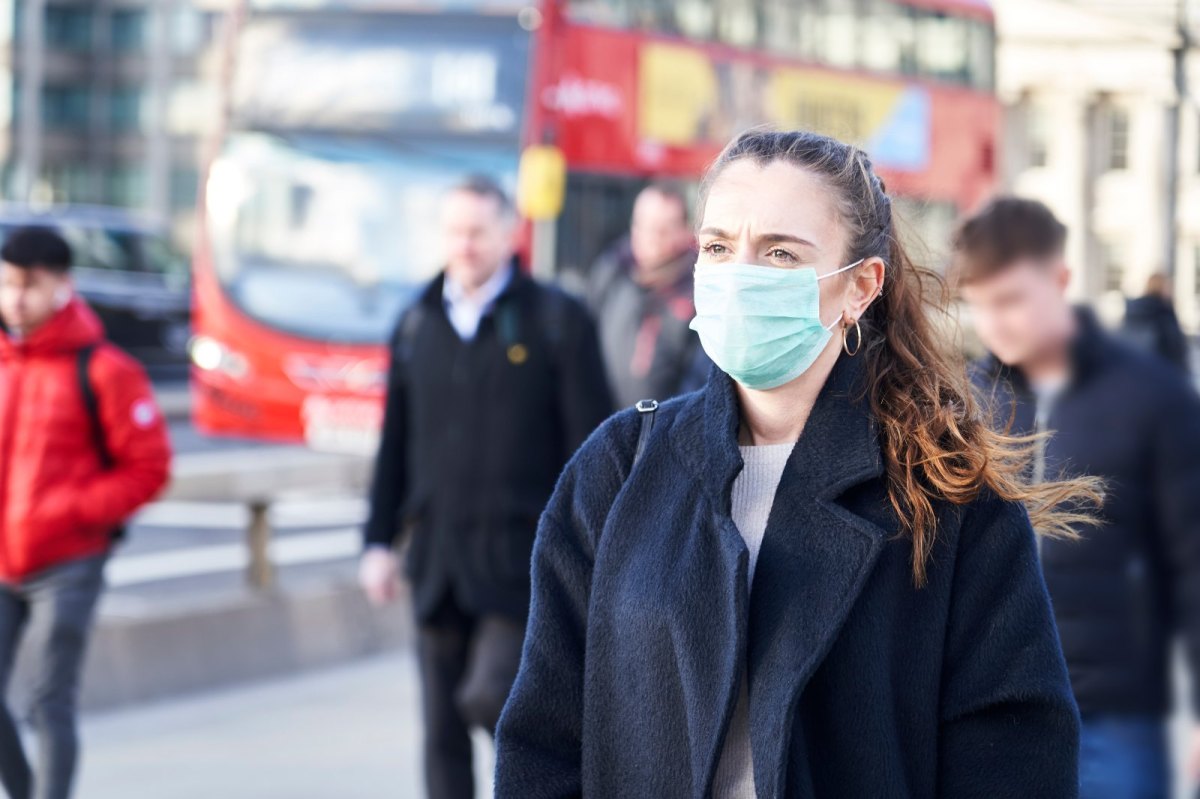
<point>82,446</point>
<point>1123,592</point>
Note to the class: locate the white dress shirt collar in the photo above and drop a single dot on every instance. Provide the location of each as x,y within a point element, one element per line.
<point>466,310</point>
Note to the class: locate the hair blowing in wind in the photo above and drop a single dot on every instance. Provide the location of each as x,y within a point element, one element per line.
<point>938,440</point>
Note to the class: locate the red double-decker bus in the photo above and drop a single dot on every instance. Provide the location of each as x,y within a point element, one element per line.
<point>347,120</point>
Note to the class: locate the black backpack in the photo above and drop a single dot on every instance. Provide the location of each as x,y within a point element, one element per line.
<point>92,404</point>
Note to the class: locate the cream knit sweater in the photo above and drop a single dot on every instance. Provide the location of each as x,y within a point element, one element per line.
<point>753,495</point>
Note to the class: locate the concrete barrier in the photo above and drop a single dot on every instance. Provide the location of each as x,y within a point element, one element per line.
<point>259,477</point>
<point>262,475</point>
<point>222,642</point>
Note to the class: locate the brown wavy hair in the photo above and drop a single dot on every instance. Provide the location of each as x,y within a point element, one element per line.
<point>939,441</point>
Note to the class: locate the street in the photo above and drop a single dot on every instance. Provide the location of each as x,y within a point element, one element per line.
<point>346,733</point>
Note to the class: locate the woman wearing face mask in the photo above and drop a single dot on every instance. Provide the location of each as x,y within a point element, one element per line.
<point>817,576</point>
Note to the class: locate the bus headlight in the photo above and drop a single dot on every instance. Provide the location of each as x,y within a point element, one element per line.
<point>211,355</point>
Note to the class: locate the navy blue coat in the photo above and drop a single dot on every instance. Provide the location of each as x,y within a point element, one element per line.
<point>861,685</point>
<point>1131,587</point>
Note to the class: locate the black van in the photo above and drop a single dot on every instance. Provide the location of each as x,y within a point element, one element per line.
<point>126,270</point>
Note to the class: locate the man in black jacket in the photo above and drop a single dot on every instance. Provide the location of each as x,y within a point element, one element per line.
<point>495,380</point>
<point>1151,324</point>
<point>1122,593</point>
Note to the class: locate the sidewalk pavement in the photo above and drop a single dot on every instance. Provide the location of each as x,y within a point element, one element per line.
<point>348,733</point>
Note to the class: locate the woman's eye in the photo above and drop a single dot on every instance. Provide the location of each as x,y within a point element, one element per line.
<point>714,248</point>
<point>781,255</point>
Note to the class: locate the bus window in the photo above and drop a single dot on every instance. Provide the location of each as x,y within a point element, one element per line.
<point>595,216</point>
<point>942,47</point>
<point>609,13</point>
<point>695,18</point>
<point>783,22</point>
<point>737,22</point>
<point>983,55</point>
<point>337,224</point>
<point>832,33</point>
<point>889,38</point>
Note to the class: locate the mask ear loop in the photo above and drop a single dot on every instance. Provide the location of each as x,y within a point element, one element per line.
<point>843,269</point>
<point>833,324</point>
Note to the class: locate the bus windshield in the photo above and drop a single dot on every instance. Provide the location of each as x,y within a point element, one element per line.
<point>328,238</point>
<point>432,75</point>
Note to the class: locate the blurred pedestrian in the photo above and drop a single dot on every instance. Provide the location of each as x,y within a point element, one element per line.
<point>640,292</point>
<point>495,380</point>
<point>82,446</point>
<point>1151,324</point>
<point>815,577</point>
<point>1122,593</point>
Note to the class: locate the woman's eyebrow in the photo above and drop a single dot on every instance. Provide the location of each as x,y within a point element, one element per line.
<point>765,238</point>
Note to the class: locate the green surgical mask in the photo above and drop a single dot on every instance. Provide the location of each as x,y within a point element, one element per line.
<point>761,324</point>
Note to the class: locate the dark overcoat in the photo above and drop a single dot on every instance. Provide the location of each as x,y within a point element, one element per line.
<point>1130,589</point>
<point>861,685</point>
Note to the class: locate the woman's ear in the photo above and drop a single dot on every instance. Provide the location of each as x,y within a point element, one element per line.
<point>866,285</point>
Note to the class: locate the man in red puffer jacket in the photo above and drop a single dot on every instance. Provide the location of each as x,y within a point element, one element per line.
<point>82,446</point>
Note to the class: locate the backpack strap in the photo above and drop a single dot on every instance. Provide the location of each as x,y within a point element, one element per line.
<point>551,314</point>
<point>646,409</point>
<point>405,341</point>
<point>92,404</point>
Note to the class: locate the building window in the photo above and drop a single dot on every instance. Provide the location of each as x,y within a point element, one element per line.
<point>66,107</point>
<point>1196,273</point>
<point>184,184</point>
<point>1112,267</point>
<point>1118,138</point>
<point>70,182</point>
<point>127,109</point>
<point>127,186</point>
<point>191,30</point>
<point>128,30</point>
<point>1198,143</point>
<point>68,28</point>
<point>1037,136</point>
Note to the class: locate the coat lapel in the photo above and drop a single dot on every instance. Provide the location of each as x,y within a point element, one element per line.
<point>816,554</point>
<point>815,558</point>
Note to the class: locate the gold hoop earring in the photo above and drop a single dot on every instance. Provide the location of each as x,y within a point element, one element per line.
<point>858,339</point>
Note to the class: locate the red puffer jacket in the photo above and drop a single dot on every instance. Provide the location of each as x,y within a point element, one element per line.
<point>57,502</point>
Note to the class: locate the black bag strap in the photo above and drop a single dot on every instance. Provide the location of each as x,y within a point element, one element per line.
<point>92,404</point>
<point>406,335</point>
<point>646,409</point>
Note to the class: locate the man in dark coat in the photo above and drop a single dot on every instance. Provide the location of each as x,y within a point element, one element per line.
<point>1151,325</point>
<point>1124,592</point>
<point>495,380</point>
<point>640,292</point>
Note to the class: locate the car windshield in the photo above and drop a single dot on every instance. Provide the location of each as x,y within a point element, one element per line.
<point>327,238</point>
